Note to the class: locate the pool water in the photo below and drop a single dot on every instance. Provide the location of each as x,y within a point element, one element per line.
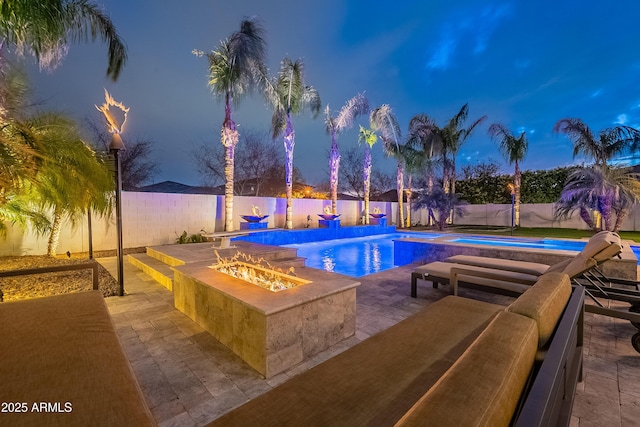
<point>534,244</point>
<point>354,257</point>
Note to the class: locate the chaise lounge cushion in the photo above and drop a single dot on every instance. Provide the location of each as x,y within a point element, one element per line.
<point>483,387</point>
<point>63,350</point>
<point>379,379</point>
<point>544,302</point>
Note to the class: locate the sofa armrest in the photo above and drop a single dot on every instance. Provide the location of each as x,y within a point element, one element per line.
<point>550,398</point>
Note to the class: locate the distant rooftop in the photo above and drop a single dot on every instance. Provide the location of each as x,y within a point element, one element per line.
<point>178,188</point>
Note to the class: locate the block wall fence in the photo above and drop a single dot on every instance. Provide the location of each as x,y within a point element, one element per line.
<point>150,219</point>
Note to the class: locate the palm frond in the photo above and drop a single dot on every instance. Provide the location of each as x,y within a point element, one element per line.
<point>383,120</point>
<point>354,107</point>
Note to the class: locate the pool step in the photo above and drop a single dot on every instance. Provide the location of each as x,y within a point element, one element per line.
<point>159,271</point>
<point>158,260</point>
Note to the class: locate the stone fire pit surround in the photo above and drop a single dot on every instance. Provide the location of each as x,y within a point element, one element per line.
<point>271,331</point>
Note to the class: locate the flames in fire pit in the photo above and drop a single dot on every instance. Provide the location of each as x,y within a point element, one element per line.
<point>247,268</point>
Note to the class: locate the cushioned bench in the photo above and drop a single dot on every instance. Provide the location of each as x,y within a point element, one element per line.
<point>62,365</point>
<point>456,362</point>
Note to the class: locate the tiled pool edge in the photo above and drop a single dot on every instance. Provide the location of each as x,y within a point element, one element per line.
<point>286,237</point>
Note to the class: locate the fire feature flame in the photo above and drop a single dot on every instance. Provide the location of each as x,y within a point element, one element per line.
<point>112,122</point>
<point>257,271</point>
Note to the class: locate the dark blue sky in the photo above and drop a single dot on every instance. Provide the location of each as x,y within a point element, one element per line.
<point>524,64</point>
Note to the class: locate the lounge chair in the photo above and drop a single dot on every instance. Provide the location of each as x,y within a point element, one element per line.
<point>512,277</point>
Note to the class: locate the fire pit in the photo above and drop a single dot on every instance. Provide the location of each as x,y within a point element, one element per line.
<point>378,218</point>
<point>271,331</point>
<point>253,218</point>
<point>267,277</point>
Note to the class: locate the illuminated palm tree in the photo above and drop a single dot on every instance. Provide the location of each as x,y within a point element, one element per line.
<point>424,141</point>
<point>453,135</point>
<point>514,150</point>
<point>335,125</point>
<point>234,68</point>
<point>383,120</point>
<point>609,143</point>
<point>71,179</point>
<point>610,191</point>
<point>44,29</point>
<point>414,162</point>
<point>369,137</point>
<point>289,95</point>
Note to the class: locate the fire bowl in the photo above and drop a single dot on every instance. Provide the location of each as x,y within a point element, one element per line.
<point>253,218</point>
<point>328,217</point>
<point>377,215</point>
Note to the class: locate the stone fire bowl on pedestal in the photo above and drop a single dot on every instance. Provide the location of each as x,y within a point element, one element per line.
<point>253,218</point>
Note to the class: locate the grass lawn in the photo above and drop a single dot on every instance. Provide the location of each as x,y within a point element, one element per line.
<point>563,233</point>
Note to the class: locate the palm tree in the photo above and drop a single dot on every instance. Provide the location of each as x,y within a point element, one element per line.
<point>424,140</point>
<point>413,161</point>
<point>610,142</point>
<point>234,68</point>
<point>513,149</point>
<point>369,137</point>
<point>44,29</point>
<point>442,203</point>
<point>72,178</point>
<point>610,191</point>
<point>334,126</point>
<point>289,95</point>
<point>452,136</point>
<point>18,145</point>
<point>383,120</point>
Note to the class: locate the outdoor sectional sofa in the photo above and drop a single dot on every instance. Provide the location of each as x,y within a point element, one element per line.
<point>456,362</point>
<point>61,364</point>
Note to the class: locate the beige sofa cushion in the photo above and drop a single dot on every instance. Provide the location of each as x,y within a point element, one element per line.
<point>376,381</point>
<point>64,349</point>
<point>544,302</point>
<point>483,387</point>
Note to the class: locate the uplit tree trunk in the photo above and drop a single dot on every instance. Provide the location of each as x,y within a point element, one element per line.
<point>586,217</point>
<point>400,190</point>
<point>516,189</point>
<point>334,166</point>
<point>604,206</point>
<point>54,234</point>
<point>367,182</point>
<point>229,140</point>
<point>289,143</point>
<point>409,184</point>
<point>620,216</point>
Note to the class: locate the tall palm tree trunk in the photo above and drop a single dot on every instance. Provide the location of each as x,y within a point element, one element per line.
<point>516,189</point>
<point>587,218</point>
<point>604,206</point>
<point>409,185</point>
<point>620,216</point>
<point>400,190</point>
<point>367,183</point>
<point>334,166</point>
<point>229,139</point>
<point>289,143</point>
<point>54,234</point>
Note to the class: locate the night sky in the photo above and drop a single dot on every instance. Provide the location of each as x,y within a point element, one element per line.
<point>524,64</point>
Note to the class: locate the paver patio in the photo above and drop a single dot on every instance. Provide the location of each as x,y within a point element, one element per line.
<point>189,378</point>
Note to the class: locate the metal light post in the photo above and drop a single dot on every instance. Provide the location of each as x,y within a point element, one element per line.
<point>115,147</point>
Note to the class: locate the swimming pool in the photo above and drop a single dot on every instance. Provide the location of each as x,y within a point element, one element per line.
<point>362,256</point>
<point>354,257</point>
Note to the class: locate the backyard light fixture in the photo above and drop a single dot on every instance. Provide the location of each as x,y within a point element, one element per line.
<point>115,126</point>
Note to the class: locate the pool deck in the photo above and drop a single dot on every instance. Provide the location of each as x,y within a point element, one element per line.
<point>189,379</point>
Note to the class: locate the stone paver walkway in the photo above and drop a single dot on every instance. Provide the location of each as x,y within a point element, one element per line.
<point>189,378</point>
